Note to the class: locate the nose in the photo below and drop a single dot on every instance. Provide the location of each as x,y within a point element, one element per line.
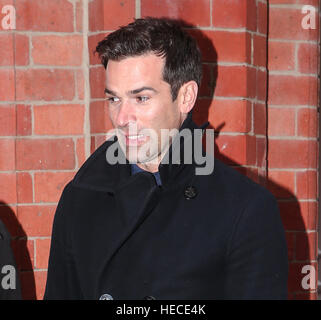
<point>126,114</point>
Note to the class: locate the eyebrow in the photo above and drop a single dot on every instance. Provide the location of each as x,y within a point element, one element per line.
<point>131,91</point>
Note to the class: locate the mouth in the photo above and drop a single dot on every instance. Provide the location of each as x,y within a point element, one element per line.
<point>135,140</point>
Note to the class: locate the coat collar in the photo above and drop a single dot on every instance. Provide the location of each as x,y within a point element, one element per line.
<point>97,174</point>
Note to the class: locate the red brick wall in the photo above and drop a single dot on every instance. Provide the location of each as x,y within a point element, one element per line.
<point>293,131</point>
<point>261,62</point>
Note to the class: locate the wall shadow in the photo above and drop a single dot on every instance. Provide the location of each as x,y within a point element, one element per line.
<point>19,245</point>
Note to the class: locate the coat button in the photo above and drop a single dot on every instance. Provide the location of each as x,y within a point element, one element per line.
<point>149,298</point>
<point>106,296</point>
<point>190,192</point>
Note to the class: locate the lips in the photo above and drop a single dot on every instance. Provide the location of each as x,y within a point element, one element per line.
<point>135,139</point>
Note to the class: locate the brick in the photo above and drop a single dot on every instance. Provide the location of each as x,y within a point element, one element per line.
<point>313,2</point>
<point>285,23</point>
<point>281,184</point>
<point>33,154</point>
<point>80,84</point>
<point>58,119</point>
<point>296,275</point>
<point>21,50</point>
<point>262,17</point>
<point>307,122</point>
<point>223,46</point>
<point>33,284</point>
<point>197,15</point>
<point>45,15</point>
<point>281,121</point>
<point>80,151</point>
<point>306,246</point>
<point>6,49</point>
<point>40,279</point>
<point>7,155</point>
<point>36,220</point>
<point>24,187</point>
<point>7,85</point>
<point>234,14</point>
<point>293,90</point>
<point>298,215</point>
<point>42,253</point>
<point>224,115</point>
<point>24,120</point>
<point>8,189</point>
<point>28,286</point>
<point>14,49</point>
<point>99,117</point>
<point>235,81</point>
<point>259,118</point>
<point>308,56</point>
<point>49,185</point>
<point>281,56</point>
<point>231,46</point>
<point>45,84</point>
<point>261,149</point>
<point>97,82</point>
<point>79,16</point>
<point>261,85</point>
<point>97,141</point>
<point>292,153</point>
<point>93,41</point>
<point>236,150</point>
<point>290,241</point>
<point>309,295</point>
<point>57,50</point>
<point>306,182</point>
<point>7,120</point>
<point>207,85</point>
<point>23,250</point>
<point>110,14</point>
<point>259,54</point>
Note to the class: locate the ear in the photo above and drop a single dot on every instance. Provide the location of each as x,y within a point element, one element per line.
<point>187,96</point>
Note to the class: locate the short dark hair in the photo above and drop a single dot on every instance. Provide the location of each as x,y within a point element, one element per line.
<point>163,37</point>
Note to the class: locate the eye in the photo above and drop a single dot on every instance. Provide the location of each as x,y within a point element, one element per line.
<point>142,98</point>
<point>113,99</point>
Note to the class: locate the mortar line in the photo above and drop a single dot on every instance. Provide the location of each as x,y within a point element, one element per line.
<point>85,68</point>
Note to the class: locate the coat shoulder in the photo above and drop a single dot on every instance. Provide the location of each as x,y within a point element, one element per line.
<point>234,187</point>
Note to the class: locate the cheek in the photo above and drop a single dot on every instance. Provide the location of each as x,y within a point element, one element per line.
<point>112,114</point>
<point>163,115</point>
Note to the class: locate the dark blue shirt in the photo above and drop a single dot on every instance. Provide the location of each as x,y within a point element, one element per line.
<point>135,169</point>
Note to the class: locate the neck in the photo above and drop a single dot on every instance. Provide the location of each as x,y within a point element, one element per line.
<point>148,167</point>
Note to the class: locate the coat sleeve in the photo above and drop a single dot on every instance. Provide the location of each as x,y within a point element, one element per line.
<point>10,288</point>
<point>62,281</point>
<point>257,259</point>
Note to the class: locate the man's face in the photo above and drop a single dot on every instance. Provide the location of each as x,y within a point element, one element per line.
<point>140,105</point>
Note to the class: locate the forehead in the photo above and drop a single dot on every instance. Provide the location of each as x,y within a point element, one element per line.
<point>135,70</point>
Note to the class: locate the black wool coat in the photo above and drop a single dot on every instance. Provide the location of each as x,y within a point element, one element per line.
<point>216,236</point>
<point>9,276</point>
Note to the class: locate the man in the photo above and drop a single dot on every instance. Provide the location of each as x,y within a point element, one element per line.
<point>150,227</point>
